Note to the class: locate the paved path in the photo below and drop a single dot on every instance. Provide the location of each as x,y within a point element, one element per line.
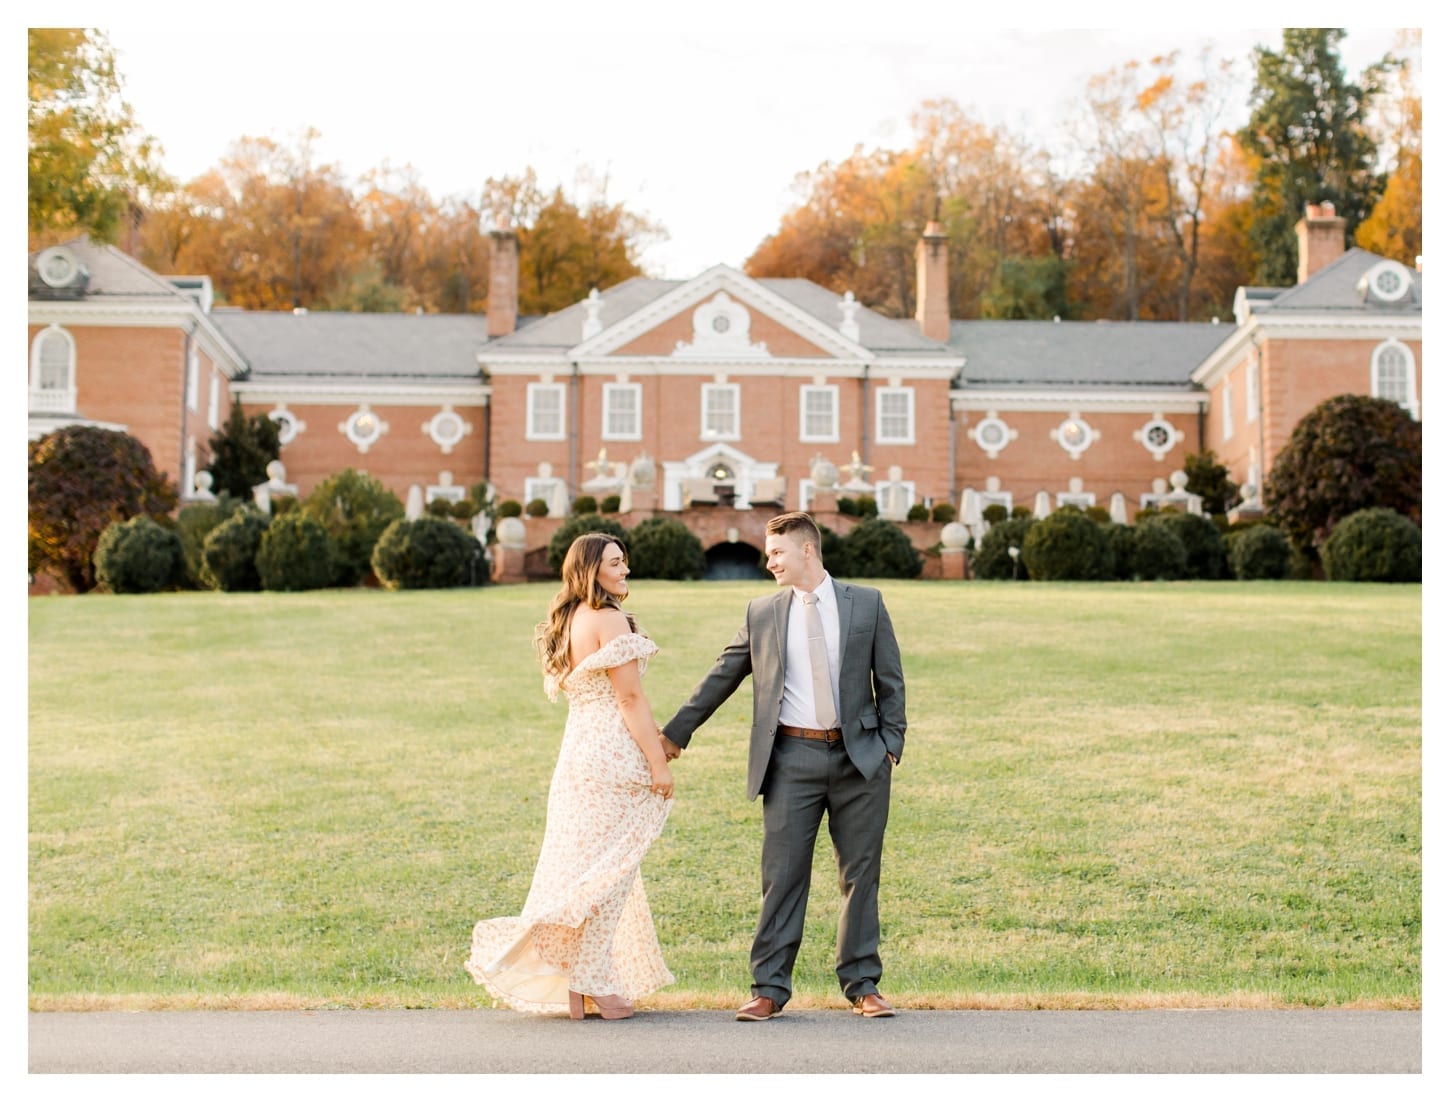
<point>683,1042</point>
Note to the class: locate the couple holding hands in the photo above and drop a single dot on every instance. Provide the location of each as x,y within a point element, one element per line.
<point>827,729</point>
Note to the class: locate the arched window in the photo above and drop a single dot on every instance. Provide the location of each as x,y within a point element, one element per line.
<point>1392,376</point>
<point>53,371</point>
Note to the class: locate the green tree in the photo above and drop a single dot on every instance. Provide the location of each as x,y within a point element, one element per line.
<point>1208,478</point>
<point>1348,453</point>
<point>1309,141</point>
<point>241,450</point>
<point>90,166</point>
<point>82,479</point>
<point>355,508</point>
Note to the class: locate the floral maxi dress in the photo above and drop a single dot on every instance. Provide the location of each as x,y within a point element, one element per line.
<point>586,924</point>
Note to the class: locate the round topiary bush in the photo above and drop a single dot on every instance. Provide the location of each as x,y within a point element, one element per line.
<point>918,512</point>
<point>1207,559</point>
<point>835,556</point>
<point>1259,553</point>
<point>538,507</point>
<point>139,556</point>
<point>510,508</point>
<point>465,509</point>
<point>876,548</point>
<point>1158,552</point>
<point>993,560</point>
<point>576,526</point>
<point>610,504</point>
<point>1373,545</point>
<point>846,506</point>
<point>428,553</point>
<point>1120,544</point>
<point>194,523</point>
<point>662,547</point>
<point>996,513</point>
<point>354,508</point>
<point>943,512</point>
<point>229,552</point>
<point>866,506</point>
<point>1066,547</point>
<point>585,503</point>
<point>296,554</point>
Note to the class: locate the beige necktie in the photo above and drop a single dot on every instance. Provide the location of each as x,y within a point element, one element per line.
<point>820,664</point>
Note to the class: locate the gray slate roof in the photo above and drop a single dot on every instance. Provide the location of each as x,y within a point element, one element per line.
<point>113,275</point>
<point>1334,287</point>
<point>347,348</point>
<point>1083,353</point>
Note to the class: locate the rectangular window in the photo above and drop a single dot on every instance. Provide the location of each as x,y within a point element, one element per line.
<point>720,411</point>
<point>213,406</point>
<point>1251,389</point>
<point>545,412</point>
<point>896,415</point>
<point>621,411</point>
<point>820,414</point>
<point>1228,409</point>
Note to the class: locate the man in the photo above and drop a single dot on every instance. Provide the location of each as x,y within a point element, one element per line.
<point>828,729</point>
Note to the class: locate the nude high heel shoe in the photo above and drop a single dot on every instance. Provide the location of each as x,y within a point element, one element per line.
<point>576,1006</point>
<point>613,1007</point>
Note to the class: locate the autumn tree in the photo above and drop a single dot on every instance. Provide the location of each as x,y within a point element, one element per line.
<point>1393,228</point>
<point>566,249</point>
<point>1308,141</point>
<point>90,164</point>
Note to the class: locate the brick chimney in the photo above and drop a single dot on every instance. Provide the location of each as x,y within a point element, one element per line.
<point>503,280</point>
<point>933,315</point>
<point>1321,238</point>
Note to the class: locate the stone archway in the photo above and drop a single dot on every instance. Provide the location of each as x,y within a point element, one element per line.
<point>734,562</point>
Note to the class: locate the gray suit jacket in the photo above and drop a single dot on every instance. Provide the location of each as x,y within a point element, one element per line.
<point>872,690</point>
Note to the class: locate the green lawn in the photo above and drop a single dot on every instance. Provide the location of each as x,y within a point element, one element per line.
<point>1112,795</point>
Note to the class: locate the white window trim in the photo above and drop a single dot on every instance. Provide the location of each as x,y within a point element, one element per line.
<point>610,389</point>
<point>1228,409</point>
<point>360,440</point>
<point>55,399</point>
<point>705,432</point>
<point>287,424</point>
<point>540,488</point>
<point>193,378</point>
<point>1251,389</point>
<point>1080,499</point>
<point>1009,434</point>
<point>1089,436</point>
<point>447,429</point>
<point>832,437</point>
<point>1175,436</point>
<point>530,428</point>
<point>1411,404</point>
<point>910,393</point>
<point>214,402</point>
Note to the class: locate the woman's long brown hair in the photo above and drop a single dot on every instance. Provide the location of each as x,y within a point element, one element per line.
<point>580,585</point>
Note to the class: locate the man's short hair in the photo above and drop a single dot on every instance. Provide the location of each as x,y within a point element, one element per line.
<point>798,526</point>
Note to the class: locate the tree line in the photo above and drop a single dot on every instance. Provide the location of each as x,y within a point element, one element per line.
<point>1150,208</point>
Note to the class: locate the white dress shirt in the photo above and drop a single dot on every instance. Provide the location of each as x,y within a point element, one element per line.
<point>798,708</point>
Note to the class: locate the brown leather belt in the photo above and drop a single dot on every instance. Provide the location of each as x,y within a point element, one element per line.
<point>816,733</point>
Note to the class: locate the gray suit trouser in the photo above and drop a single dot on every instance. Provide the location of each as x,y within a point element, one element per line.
<point>807,779</point>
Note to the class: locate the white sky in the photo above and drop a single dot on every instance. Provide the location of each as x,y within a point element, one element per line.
<point>701,116</point>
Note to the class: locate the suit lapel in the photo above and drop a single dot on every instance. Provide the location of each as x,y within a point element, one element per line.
<point>780,616</point>
<point>843,614</point>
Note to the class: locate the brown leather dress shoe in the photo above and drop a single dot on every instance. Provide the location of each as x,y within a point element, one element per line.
<point>872,1006</point>
<point>757,1009</point>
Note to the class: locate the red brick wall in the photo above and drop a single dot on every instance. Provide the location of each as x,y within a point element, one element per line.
<point>662,339</point>
<point>1114,463</point>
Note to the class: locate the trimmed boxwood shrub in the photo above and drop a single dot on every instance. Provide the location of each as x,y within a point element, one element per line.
<point>194,523</point>
<point>992,560</point>
<point>575,527</point>
<point>846,506</point>
<point>438,507</point>
<point>585,503</point>
<point>296,554</point>
<point>1066,547</point>
<point>139,556</point>
<point>229,553</point>
<point>427,553</point>
<point>1120,543</point>
<point>834,555</point>
<point>354,508</point>
<point>662,547</point>
<point>1158,552</point>
<point>610,504</point>
<point>1259,552</point>
<point>1203,543</point>
<point>943,512</point>
<point>996,513</point>
<point>876,548</point>
<point>538,507</point>
<point>918,512</point>
<point>1373,545</point>
<point>508,507</point>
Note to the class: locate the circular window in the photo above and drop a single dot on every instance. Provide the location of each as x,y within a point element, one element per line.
<point>57,267</point>
<point>286,423</point>
<point>363,428</point>
<point>446,429</point>
<point>721,324</point>
<point>992,434</point>
<point>721,473</point>
<point>1158,436</point>
<point>1074,435</point>
<point>1388,281</point>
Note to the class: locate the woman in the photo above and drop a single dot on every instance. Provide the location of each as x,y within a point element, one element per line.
<point>586,935</point>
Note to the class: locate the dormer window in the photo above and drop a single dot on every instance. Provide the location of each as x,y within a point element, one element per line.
<point>1388,281</point>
